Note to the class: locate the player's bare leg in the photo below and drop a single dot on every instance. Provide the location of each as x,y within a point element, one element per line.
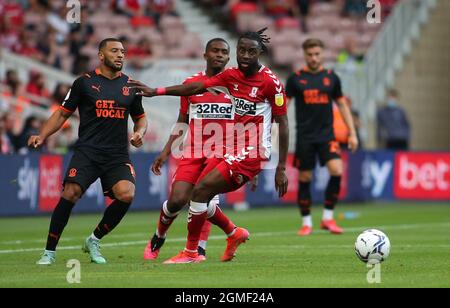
<point>212,184</point>
<point>123,197</point>
<point>304,202</point>
<point>335,167</point>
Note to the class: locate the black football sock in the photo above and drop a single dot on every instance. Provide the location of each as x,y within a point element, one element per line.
<point>111,218</point>
<point>304,198</point>
<point>59,220</point>
<point>332,192</point>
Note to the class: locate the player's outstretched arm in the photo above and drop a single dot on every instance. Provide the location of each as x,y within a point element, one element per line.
<point>167,150</point>
<point>51,126</point>
<point>281,181</point>
<point>178,90</point>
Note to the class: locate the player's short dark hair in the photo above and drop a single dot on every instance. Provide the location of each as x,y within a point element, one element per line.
<point>313,42</point>
<point>106,40</point>
<point>217,39</point>
<point>258,36</point>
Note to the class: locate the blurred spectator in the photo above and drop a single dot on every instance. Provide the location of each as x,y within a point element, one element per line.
<point>26,46</point>
<point>48,47</point>
<point>350,58</point>
<point>36,86</point>
<point>12,12</point>
<point>80,33</point>
<point>9,35</point>
<point>237,7</point>
<point>60,92</point>
<point>131,7</point>
<point>355,8</point>
<point>158,8</point>
<point>57,21</point>
<point>81,65</point>
<point>279,8</point>
<point>138,56</point>
<point>393,129</point>
<point>31,127</point>
<point>6,146</point>
<point>13,84</point>
<point>341,131</point>
<point>301,11</point>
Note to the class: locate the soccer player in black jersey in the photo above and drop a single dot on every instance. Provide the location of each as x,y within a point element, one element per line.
<point>314,89</point>
<point>104,102</point>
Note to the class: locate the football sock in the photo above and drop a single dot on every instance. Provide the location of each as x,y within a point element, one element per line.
<point>166,219</point>
<point>196,220</point>
<point>111,218</point>
<point>332,192</point>
<point>327,214</point>
<point>59,220</point>
<point>222,221</point>
<point>307,221</point>
<point>206,229</point>
<point>304,198</point>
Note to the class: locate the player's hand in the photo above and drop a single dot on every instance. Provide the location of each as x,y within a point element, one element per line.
<point>353,143</point>
<point>158,163</point>
<point>137,140</point>
<point>141,89</point>
<point>35,141</point>
<point>254,183</point>
<point>281,182</point>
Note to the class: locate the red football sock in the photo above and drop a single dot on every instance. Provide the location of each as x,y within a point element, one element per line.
<point>195,224</point>
<point>165,221</point>
<point>205,231</point>
<point>222,221</point>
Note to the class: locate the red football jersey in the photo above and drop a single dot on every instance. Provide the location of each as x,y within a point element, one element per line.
<point>256,100</point>
<point>209,114</point>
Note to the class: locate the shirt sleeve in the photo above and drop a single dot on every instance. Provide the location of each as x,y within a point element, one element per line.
<point>276,96</point>
<point>219,80</point>
<point>73,97</point>
<point>290,87</point>
<point>136,109</point>
<point>337,91</point>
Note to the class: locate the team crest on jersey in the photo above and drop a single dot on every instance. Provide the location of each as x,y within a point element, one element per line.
<point>254,92</point>
<point>126,91</point>
<point>236,87</point>
<point>72,173</point>
<point>326,81</point>
<point>279,100</point>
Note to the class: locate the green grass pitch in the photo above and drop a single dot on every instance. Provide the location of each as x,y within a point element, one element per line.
<point>274,257</point>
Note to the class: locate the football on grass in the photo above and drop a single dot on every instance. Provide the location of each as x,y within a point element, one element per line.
<point>372,246</point>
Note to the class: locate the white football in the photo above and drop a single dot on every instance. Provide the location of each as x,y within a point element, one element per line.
<point>372,246</point>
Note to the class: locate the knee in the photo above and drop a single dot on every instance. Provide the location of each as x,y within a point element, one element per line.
<point>125,195</point>
<point>336,171</point>
<point>201,192</point>
<point>177,201</point>
<point>72,192</point>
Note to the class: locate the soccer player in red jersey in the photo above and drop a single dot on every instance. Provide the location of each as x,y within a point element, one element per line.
<point>202,112</point>
<point>314,89</point>
<point>259,99</point>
